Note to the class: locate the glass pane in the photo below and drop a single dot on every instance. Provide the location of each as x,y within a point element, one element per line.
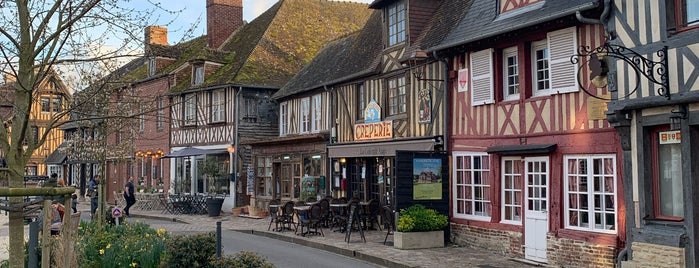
<point>573,218</point>
<point>670,180</point>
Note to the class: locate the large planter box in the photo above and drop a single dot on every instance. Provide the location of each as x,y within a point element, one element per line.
<point>416,240</point>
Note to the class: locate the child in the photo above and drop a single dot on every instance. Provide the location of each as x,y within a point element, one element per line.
<point>74,203</point>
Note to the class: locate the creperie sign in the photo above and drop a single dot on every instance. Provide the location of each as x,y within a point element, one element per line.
<point>372,131</point>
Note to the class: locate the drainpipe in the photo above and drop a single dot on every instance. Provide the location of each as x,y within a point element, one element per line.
<point>235,163</point>
<point>333,132</point>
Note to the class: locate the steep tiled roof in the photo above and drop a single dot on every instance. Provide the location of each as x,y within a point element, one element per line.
<point>482,21</point>
<point>353,55</point>
<point>443,21</point>
<point>275,46</point>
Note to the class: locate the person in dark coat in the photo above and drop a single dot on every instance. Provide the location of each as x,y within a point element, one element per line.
<point>129,195</point>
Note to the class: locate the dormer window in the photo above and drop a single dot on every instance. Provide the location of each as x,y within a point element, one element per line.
<point>396,23</point>
<point>198,75</point>
<point>151,66</point>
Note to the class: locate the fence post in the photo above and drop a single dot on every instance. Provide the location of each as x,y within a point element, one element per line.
<point>33,261</point>
<point>218,239</point>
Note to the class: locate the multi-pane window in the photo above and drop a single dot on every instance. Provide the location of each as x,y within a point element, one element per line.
<point>317,113</point>
<point>397,97</point>
<point>512,190</point>
<point>45,104</point>
<point>540,66</point>
<point>56,104</point>
<point>151,66</point>
<point>396,23</point>
<point>218,106</point>
<point>305,116</point>
<point>35,133</point>
<point>511,73</point>
<point>686,14</point>
<point>472,186</point>
<point>264,176</point>
<point>590,192</point>
<point>160,116</point>
<point>361,101</point>
<point>190,110</point>
<point>198,75</point>
<point>141,119</point>
<point>283,119</point>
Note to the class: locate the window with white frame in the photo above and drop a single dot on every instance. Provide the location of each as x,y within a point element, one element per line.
<point>512,190</point>
<point>471,186</point>
<point>283,119</point>
<point>218,106</point>
<point>198,75</point>
<point>190,110</point>
<point>141,119</point>
<point>317,113</point>
<point>482,77</point>
<point>305,116</point>
<point>562,76</point>
<point>510,73</point>
<point>590,192</point>
<point>540,67</point>
<point>397,96</point>
<point>151,66</point>
<point>396,22</point>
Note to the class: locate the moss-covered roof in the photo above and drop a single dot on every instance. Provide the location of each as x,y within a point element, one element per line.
<point>275,46</point>
<point>355,54</point>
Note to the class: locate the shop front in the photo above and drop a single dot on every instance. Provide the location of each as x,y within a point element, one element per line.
<point>289,168</point>
<point>368,170</point>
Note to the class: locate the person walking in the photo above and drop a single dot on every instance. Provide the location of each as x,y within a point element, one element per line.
<point>129,195</point>
<point>92,193</point>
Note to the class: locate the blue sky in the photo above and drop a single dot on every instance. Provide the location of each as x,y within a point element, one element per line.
<point>194,10</point>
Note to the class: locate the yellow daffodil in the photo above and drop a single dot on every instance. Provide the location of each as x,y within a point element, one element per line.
<point>147,235</point>
<point>101,251</point>
<point>161,231</point>
<point>133,264</point>
<point>109,246</point>
<point>126,246</point>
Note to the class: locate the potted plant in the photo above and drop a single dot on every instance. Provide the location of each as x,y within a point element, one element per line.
<point>419,227</point>
<point>213,171</point>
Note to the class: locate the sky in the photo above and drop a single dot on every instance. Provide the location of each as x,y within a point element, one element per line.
<point>194,10</point>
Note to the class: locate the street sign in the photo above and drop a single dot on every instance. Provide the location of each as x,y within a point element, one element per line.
<point>116,213</point>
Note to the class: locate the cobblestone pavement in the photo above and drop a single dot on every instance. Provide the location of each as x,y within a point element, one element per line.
<point>372,251</point>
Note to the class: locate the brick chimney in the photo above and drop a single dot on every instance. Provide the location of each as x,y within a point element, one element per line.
<point>223,17</point>
<point>155,35</point>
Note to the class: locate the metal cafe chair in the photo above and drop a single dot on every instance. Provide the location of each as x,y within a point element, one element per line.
<point>273,215</point>
<point>388,222</point>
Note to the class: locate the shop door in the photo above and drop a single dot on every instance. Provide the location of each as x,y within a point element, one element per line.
<point>536,221</point>
<point>285,179</point>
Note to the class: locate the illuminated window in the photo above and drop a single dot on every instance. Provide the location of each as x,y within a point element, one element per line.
<point>590,192</point>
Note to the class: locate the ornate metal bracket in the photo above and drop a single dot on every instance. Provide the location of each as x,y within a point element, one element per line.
<point>597,60</point>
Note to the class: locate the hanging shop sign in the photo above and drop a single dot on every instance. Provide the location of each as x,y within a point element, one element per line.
<point>670,137</point>
<point>372,131</point>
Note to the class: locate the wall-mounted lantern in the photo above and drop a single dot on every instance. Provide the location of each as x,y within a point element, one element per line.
<point>677,116</point>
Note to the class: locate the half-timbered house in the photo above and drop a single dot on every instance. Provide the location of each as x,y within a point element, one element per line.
<point>534,162</point>
<point>306,120</point>
<point>221,92</point>
<point>391,104</point>
<point>653,60</point>
<point>49,103</point>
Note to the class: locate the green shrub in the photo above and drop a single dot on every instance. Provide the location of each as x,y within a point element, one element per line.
<point>417,218</point>
<point>243,259</point>
<point>191,250</point>
<point>125,245</point>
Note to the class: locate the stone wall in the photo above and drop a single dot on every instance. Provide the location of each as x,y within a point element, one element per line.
<point>507,243</point>
<point>565,252</point>
<point>656,256</point>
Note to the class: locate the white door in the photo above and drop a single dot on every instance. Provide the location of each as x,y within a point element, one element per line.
<point>536,219</point>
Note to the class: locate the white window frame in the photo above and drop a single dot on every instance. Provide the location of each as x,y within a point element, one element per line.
<point>198,78</point>
<point>510,72</point>
<point>160,115</point>
<point>591,192</point>
<point>141,119</point>
<point>151,66</point>
<point>515,203</point>
<point>283,118</point>
<point>396,14</point>
<point>459,188</point>
<point>218,106</point>
<point>536,46</point>
<point>190,110</point>
<point>317,113</point>
<point>561,45</point>
<point>305,115</point>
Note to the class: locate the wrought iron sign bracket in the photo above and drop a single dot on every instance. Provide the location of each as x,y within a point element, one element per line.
<point>597,62</point>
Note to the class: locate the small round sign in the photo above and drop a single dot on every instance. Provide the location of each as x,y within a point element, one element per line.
<point>116,213</point>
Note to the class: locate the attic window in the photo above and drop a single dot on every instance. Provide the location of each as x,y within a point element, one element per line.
<point>151,67</point>
<point>198,75</point>
<point>396,23</point>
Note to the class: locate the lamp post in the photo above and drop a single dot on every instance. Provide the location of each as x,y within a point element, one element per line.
<point>231,189</point>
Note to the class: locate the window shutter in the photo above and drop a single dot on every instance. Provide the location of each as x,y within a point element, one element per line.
<point>563,45</point>
<point>482,77</point>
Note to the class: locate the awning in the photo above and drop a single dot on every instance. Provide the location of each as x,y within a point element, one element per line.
<point>386,148</point>
<point>56,158</point>
<point>522,149</point>
<point>191,151</point>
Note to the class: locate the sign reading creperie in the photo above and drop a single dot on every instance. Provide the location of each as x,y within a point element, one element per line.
<point>372,131</point>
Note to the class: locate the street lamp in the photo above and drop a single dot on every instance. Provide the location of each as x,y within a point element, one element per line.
<point>232,161</point>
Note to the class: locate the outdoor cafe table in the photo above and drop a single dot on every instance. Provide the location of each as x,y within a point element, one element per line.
<point>302,212</point>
